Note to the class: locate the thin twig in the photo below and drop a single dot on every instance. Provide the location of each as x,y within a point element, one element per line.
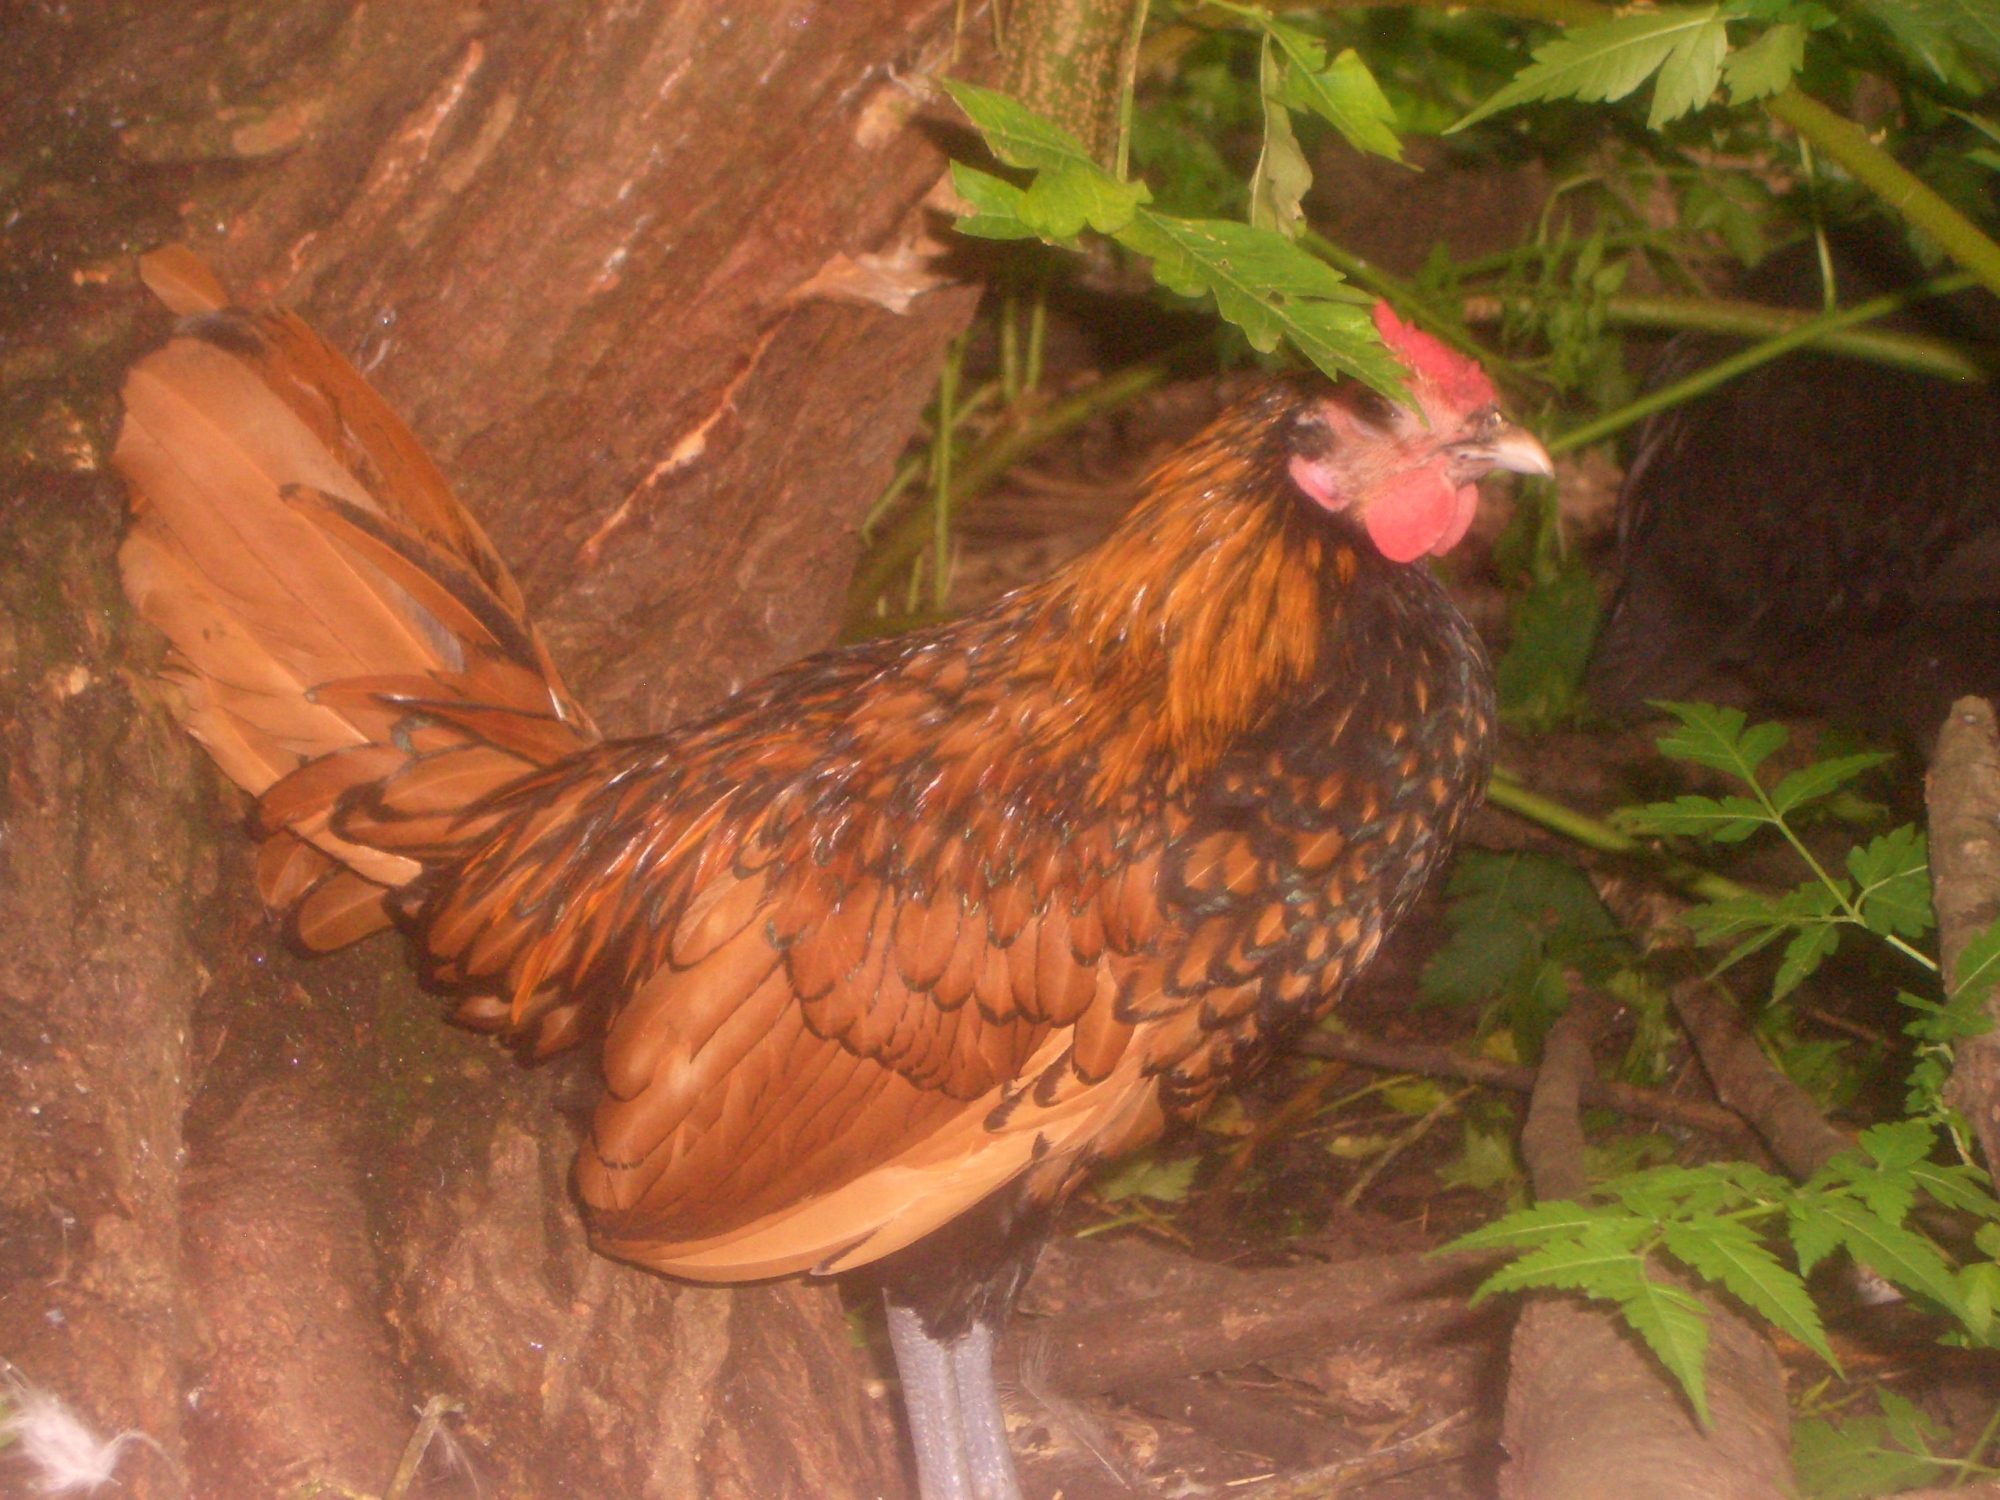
<point>1443,1062</point>
<point>1402,1143</point>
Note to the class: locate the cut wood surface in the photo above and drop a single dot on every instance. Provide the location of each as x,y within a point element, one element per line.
<point>1590,1412</point>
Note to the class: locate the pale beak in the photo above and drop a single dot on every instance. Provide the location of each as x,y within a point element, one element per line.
<point>1502,446</point>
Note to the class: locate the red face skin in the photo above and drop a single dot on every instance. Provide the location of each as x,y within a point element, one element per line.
<point>1412,482</point>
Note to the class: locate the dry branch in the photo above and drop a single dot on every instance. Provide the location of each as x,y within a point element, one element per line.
<point>1783,1114</point>
<point>1552,1140</point>
<point>1445,1062</point>
<point>1238,1318</point>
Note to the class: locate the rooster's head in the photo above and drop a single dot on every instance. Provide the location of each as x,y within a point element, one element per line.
<point>1408,473</point>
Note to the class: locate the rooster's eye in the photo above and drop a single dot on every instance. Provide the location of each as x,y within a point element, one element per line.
<point>1372,407</point>
<point>1310,434</point>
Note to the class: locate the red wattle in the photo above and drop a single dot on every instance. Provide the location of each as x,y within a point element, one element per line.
<point>1420,513</point>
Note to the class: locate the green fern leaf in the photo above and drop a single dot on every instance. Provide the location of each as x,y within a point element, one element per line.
<point>1728,1254</point>
<point>1609,60</point>
<point>1717,738</point>
<point>1767,66</point>
<point>1675,1327</point>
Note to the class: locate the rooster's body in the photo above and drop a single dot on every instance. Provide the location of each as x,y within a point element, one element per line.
<point>887,951</point>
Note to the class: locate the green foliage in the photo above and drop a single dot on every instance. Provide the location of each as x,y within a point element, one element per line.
<point>1732,1225</point>
<point>1259,280</point>
<point>1149,1176</point>
<point>1867,1455</point>
<point>1725,1223</point>
<point>1486,1162</point>
<point>1553,623</point>
<point>1519,923</point>
<point>1886,890</point>
<point>1684,45</point>
<point>1343,93</point>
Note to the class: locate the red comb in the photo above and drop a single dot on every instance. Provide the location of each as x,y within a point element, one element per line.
<point>1444,369</point>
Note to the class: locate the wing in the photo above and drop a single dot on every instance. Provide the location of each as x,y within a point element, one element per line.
<point>857,974</point>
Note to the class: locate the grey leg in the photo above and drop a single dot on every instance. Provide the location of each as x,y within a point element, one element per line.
<point>953,1407</point>
<point>930,1401</point>
<point>986,1453</point>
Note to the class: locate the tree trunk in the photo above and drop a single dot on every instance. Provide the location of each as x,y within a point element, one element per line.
<point>629,273</point>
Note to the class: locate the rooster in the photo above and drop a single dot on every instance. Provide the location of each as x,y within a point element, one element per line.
<point>887,951</point>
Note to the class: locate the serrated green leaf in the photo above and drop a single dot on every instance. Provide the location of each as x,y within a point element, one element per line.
<point>1887,1192</point>
<point>1339,339</point>
<point>1894,1253</point>
<point>1676,1192</point>
<point>1348,98</point>
<point>1486,1162</point>
<point>1892,876</point>
<point>1689,76</point>
<point>1015,133</point>
<point>1979,1287</point>
<point>1808,949</point>
<point>1760,921</point>
<point>1808,15</point>
<point>1717,738</point>
<point>1562,1219</point>
<point>996,205</point>
<point>1767,66</point>
<point>1601,1259</point>
<point>1062,201</point>
<point>1554,622</point>
<point>1676,1329</point>
<point>1279,183</point>
<point>1604,62</point>
<point>1269,288</point>
<point>1964,1189</point>
<point>1717,921</point>
<point>1727,1253</point>
<point>1724,820</point>
<point>1344,94</point>
<point>1518,922</point>
<point>1821,778</point>
<point>1897,1145</point>
<point>1069,191</point>
<point>1856,1459</point>
<point>1907,1423</point>
<point>1814,1235</point>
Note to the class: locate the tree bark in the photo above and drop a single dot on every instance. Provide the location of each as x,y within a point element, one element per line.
<point>629,273</point>
<point>1962,796</point>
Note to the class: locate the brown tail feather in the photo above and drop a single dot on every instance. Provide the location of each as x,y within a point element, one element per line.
<point>345,636</point>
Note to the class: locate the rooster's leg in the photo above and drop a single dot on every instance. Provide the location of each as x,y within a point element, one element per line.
<point>953,1408</point>
<point>985,1427</point>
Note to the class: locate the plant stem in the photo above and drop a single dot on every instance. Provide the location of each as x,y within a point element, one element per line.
<point>1837,136</point>
<point>1830,133</point>
<point>1508,792</point>
<point>1722,371</point>
<point>941,457</point>
<point>995,456</point>
<point>1915,352</point>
